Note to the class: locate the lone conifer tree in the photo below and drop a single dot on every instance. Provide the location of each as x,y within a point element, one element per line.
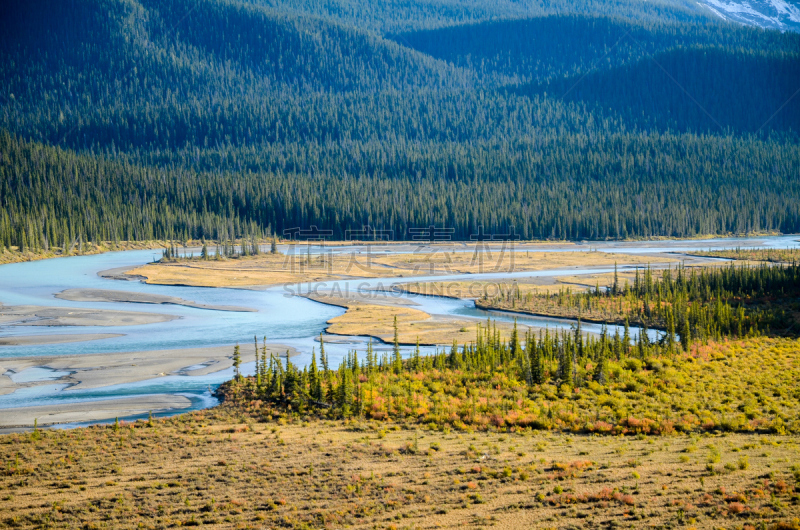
<point>237,360</point>
<point>258,365</point>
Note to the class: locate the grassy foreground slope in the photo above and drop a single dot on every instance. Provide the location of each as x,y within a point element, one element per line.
<point>248,465</point>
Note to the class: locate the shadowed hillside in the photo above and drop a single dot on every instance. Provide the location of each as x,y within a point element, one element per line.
<point>742,92</point>
<point>545,48</point>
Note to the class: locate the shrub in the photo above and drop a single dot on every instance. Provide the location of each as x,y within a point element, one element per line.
<point>736,508</point>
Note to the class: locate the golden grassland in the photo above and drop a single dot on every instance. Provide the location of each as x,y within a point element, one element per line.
<point>220,469</point>
<point>781,312</point>
<point>478,261</point>
<point>730,459</point>
<point>374,320</point>
<point>529,297</point>
<point>261,271</point>
<point>602,309</point>
<point>494,288</point>
<point>274,269</point>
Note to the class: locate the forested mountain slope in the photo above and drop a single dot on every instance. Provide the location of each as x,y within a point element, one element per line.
<point>743,91</point>
<point>410,15</point>
<point>548,47</point>
<point>220,118</point>
<point>168,74</point>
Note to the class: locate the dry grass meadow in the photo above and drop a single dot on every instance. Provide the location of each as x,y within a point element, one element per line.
<point>274,269</point>
<point>377,320</point>
<point>217,469</point>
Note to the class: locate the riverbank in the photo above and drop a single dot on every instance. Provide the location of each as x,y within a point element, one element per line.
<point>33,340</point>
<point>12,254</point>
<point>101,370</point>
<point>90,411</point>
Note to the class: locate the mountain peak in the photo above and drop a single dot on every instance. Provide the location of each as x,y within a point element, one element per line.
<point>773,14</point>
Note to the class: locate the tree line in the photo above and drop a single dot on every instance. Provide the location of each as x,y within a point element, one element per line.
<point>180,120</point>
<point>54,197</point>
<point>451,385</point>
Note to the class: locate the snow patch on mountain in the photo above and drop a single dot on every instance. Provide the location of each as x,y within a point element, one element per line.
<point>775,14</point>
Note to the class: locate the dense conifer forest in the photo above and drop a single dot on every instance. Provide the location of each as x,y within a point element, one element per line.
<point>227,119</point>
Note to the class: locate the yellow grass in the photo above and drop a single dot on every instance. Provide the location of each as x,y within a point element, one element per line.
<point>267,269</point>
<point>365,319</point>
<point>477,288</point>
<point>213,469</point>
<point>260,271</point>
<point>497,261</point>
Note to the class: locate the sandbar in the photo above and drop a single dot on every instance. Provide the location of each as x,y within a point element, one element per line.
<point>33,340</point>
<point>31,315</point>
<point>119,273</point>
<point>267,270</point>
<point>91,410</point>
<point>103,369</point>
<point>105,295</point>
<point>374,317</point>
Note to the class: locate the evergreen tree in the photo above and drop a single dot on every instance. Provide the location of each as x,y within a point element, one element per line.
<point>601,370</point>
<point>237,360</point>
<point>397,360</point>
<point>564,372</point>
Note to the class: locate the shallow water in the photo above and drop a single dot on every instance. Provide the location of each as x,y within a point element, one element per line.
<point>283,317</point>
<point>35,374</point>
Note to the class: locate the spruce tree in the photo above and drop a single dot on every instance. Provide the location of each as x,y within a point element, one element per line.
<point>513,344</point>
<point>537,365</point>
<point>237,360</point>
<point>601,370</point>
<point>564,365</point>
<point>258,368</point>
<point>397,359</point>
<point>314,379</point>
<point>686,334</point>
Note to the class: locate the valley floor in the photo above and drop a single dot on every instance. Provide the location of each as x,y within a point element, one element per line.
<point>216,469</point>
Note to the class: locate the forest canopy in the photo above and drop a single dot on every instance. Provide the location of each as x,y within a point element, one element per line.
<point>226,119</point>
